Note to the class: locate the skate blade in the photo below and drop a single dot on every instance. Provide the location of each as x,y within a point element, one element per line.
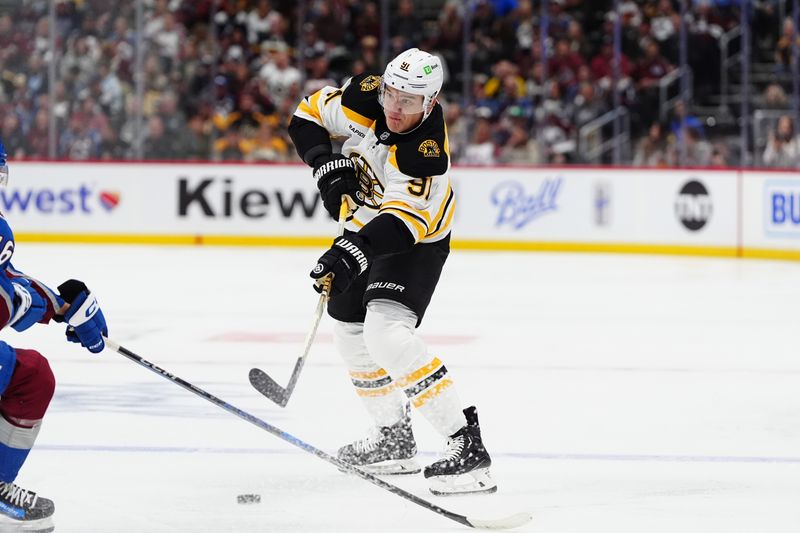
<point>391,468</point>
<point>478,481</point>
<point>9,525</point>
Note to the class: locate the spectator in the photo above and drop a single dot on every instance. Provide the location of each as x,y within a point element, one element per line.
<point>519,148</point>
<point>774,97</point>
<point>481,149</point>
<point>266,146</point>
<point>563,66</point>
<point>38,137</point>
<point>651,150</point>
<point>158,145</point>
<point>647,74</point>
<point>79,142</point>
<point>229,147</point>
<point>587,106</point>
<point>698,150</point>
<point>367,22</point>
<point>11,136</point>
<point>259,22</point>
<point>664,26</point>
<point>692,122</point>
<point>783,51</point>
<point>328,23</point>
<point>783,146</point>
<point>279,74</point>
<point>603,67</point>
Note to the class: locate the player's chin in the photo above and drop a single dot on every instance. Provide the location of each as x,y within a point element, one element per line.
<point>394,123</point>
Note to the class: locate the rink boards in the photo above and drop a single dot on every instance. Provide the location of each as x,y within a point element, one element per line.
<point>694,211</point>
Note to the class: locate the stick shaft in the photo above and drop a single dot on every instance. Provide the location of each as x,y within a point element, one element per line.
<point>275,392</point>
<point>287,437</point>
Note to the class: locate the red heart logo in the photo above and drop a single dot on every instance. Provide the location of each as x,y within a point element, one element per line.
<point>109,199</point>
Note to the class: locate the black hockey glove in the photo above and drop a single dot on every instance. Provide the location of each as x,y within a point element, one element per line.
<point>336,175</point>
<point>348,258</point>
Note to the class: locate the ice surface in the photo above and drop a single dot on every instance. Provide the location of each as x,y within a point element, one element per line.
<point>616,394</point>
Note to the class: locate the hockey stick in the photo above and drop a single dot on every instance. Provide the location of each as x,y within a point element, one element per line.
<point>260,380</point>
<point>503,523</point>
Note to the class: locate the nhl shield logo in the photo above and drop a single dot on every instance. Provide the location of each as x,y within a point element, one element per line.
<point>429,148</point>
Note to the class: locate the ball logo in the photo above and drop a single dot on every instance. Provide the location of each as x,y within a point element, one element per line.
<point>319,268</point>
<point>693,206</point>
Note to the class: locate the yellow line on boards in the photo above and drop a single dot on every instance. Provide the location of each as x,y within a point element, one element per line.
<point>213,240</point>
<point>482,245</point>
<point>543,246</point>
<point>765,253</point>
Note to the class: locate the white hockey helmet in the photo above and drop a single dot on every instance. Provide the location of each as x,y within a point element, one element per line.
<point>414,72</point>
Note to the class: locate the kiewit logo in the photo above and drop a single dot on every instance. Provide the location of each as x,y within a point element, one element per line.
<point>693,206</point>
<point>64,201</point>
<point>385,285</point>
<point>517,208</point>
<point>219,198</point>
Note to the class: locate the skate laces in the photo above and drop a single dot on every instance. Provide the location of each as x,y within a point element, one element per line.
<point>455,446</point>
<point>17,495</point>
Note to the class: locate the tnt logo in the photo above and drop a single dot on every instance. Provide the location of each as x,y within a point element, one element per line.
<point>783,208</point>
<point>693,206</point>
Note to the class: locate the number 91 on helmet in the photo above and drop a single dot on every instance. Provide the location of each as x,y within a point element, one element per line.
<point>411,83</point>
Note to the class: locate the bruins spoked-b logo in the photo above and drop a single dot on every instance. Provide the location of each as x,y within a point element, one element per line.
<point>429,148</point>
<point>370,83</point>
<point>319,268</point>
<point>370,185</point>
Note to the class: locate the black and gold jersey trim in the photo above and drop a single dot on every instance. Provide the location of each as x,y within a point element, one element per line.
<point>362,102</point>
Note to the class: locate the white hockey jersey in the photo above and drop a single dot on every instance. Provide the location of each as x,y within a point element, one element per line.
<point>405,175</point>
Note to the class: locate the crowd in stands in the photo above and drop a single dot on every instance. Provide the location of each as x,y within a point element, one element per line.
<point>220,78</point>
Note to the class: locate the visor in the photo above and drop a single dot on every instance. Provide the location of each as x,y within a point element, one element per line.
<point>397,101</point>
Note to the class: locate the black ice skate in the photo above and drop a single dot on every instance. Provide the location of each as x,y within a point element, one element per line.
<point>464,469</point>
<point>24,510</point>
<point>388,450</point>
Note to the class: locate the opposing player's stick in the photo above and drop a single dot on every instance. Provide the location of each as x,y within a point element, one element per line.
<point>503,523</point>
<point>260,380</point>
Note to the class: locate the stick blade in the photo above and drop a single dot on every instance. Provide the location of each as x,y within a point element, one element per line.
<point>267,386</point>
<point>509,522</point>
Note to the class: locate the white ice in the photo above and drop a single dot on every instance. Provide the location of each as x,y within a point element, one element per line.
<point>616,394</point>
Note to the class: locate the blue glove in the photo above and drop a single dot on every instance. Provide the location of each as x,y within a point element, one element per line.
<point>87,324</point>
<point>29,306</point>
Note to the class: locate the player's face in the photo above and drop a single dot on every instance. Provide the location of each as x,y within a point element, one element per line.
<point>403,111</point>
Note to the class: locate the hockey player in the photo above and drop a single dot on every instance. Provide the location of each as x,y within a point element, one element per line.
<point>26,381</point>
<point>394,168</point>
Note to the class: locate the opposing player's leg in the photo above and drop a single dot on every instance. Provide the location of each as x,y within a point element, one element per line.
<point>389,448</point>
<point>397,295</point>
<point>26,394</point>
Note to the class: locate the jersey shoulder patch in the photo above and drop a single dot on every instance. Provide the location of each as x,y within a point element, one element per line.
<point>361,96</point>
<point>423,152</point>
